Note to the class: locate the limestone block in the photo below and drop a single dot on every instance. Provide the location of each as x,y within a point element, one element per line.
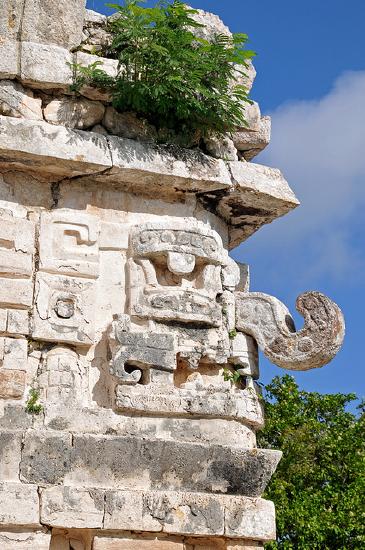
<point>245,75</point>
<point>64,309</point>
<point>128,543</point>
<point>110,66</point>
<point>16,259</point>
<point>45,66</point>
<point>10,451</point>
<point>221,147</point>
<point>245,354</point>
<point>186,170</point>
<point>51,150</point>
<point>72,507</point>
<point>19,505</point>
<point>15,101</point>
<point>14,417</point>
<point>17,321</point>
<point>246,519</point>
<point>252,143</point>
<point>252,115</point>
<point>45,457</point>
<point>11,12</point>
<point>60,378</point>
<point>12,383</point>
<point>211,402</point>
<point>126,461</point>
<point>16,292</point>
<point>9,58</point>
<point>68,243</point>
<point>261,195</point>
<point>213,25</point>
<point>74,112</point>
<point>13,353</point>
<point>14,321</point>
<point>113,236</point>
<point>128,125</point>
<point>190,513</point>
<point>21,540</point>
<point>50,22</point>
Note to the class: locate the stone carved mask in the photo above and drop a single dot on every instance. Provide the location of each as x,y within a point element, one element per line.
<point>175,273</point>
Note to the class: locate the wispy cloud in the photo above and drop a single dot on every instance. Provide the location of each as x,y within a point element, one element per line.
<point>320,147</point>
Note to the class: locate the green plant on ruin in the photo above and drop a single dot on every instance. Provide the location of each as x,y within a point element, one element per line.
<point>168,75</point>
<point>233,376</point>
<point>32,406</point>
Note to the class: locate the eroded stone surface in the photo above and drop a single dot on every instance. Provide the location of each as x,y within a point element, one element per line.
<point>19,505</point>
<point>74,113</point>
<point>24,540</point>
<point>121,309</point>
<point>16,102</point>
<point>271,324</point>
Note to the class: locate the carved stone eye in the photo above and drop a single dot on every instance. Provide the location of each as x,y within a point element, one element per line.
<point>65,308</point>
<point>167,237</point>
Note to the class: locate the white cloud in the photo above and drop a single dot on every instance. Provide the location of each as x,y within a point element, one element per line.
<point>320,147</point>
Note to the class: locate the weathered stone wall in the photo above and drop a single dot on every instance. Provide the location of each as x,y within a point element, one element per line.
<point>121,308</point>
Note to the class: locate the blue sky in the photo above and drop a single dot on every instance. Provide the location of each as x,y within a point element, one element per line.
<point>311,80</point>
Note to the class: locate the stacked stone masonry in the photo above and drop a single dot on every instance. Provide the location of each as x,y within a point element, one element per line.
<point>121,311</point>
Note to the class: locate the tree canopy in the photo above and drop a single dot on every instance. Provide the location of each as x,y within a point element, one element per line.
<point>318,489</point>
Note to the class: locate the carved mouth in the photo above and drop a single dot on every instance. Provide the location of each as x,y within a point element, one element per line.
<point>187,306</point>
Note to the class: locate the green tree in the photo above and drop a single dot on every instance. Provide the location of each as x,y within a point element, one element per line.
<point>318,489</point>
<point>167,74</point>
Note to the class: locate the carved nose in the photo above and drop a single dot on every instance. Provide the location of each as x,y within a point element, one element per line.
<point>180,264</point>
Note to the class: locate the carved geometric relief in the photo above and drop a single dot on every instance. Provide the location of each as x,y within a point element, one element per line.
<point>175,273</point>
<point>69,243</point>
<point>16,261</point>
<point>64,309</point>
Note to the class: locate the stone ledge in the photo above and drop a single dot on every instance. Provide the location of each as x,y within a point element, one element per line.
<point>19,505</point>
<point>243,405</point>
<point>168,512</point>
<point>247,196</point>
<point>53,152</point>
<point>138,463</point>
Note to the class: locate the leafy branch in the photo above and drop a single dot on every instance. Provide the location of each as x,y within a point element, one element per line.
<point>168,75</point>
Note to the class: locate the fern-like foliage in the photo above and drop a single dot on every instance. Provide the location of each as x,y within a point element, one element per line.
<point>169,76</point>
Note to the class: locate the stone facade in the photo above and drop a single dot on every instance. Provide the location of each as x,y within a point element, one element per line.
<point>121,312</point>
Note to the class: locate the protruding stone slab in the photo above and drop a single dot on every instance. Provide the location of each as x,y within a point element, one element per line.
<point>156,464</point>
<point>45,66</point>
<point>251,143</point>
<point>19,505</point>
<point>258,195</point>
<point>261,195</point>
<point>52,151</point>
<point>143,165</point>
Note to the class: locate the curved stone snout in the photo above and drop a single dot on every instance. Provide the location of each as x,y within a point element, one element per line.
<point>270,323</point>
